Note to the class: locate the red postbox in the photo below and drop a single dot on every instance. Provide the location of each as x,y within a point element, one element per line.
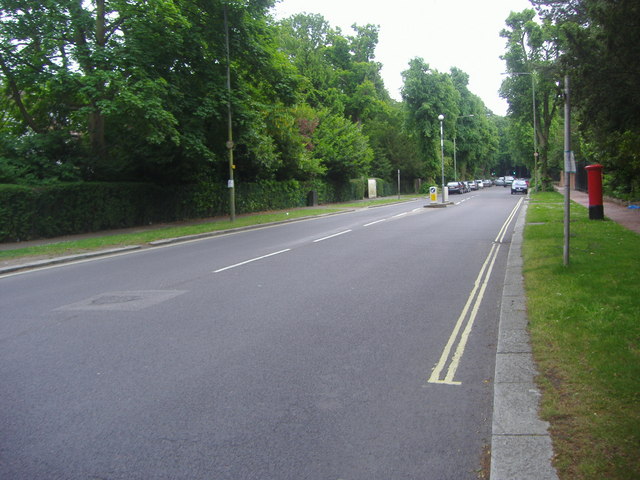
<point>594,187</point>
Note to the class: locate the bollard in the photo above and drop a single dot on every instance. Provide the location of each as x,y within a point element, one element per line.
<point>594,187</point>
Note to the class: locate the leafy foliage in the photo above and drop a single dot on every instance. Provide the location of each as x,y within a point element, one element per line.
<point>427,94</point>
<point>120,91</point>
<point>532,60</point>
<point>596,43</point>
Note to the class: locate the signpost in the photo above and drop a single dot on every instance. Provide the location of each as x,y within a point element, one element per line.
<point>433,194</point>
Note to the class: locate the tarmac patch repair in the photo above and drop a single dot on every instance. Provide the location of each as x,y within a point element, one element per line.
<point>129,301</point>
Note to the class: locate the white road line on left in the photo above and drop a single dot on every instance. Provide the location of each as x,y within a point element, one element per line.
<point>331,236</point>
<point>251,260</point>
<point>373,223</point>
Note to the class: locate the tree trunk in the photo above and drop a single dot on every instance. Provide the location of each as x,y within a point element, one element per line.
<point>17,97</point>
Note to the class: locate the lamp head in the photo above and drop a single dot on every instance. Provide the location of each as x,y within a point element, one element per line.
<point>441,117</point>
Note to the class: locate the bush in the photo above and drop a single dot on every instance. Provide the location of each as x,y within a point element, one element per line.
<point>424,188</point>
<point>17,212</point>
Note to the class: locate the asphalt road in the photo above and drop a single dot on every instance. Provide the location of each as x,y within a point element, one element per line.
<point>356,346</point>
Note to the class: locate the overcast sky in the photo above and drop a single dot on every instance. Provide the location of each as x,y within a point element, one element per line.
<point>446,33</point>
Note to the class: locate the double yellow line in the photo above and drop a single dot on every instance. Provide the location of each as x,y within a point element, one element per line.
<point>462,329</point>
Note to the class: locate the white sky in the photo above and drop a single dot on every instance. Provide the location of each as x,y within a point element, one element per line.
<point>446,33</point>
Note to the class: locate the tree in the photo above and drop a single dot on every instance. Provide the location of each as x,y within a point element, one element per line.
<point>599,42</point>
<point>532,60</point>
<point>90,87</point>
<point>341,147</point>
<point>475,133</point>
<point>428,93</point>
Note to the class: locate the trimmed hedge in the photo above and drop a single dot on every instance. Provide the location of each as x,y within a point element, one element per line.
<point>28,213</point>
<point>17,212</point>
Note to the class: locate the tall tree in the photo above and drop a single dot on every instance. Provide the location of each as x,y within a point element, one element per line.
<point>600,43</point>
<point>428,93</point>
<point>92,75</point>
<point>476,135</point>
<point>532,60</point>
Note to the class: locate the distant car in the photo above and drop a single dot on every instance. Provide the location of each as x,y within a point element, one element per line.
<point>472,185</point>
<point>519,186</point>
<point>455,187</point>
<point>487,183</point>
<point>480,184</point>
<point>500,182</point>
<point>508,181</point>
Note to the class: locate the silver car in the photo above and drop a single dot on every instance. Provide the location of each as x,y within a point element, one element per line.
<point>519,186</point>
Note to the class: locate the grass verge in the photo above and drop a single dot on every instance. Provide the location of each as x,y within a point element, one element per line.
<point>585,331</point>
<point>149,235</point>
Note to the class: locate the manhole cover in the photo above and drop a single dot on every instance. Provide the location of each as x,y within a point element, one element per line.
<point>124,301</point>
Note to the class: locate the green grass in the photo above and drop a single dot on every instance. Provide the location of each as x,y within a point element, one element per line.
<point>150,235</point>
<point>585,330</point>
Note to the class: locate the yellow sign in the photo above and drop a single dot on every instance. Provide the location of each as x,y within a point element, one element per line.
<point>433,194</point>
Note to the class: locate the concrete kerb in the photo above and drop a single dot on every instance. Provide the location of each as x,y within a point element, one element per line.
<point>521,446</point>
<point>67,259</point>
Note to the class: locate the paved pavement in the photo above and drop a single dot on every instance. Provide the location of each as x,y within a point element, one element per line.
<point>521,445</point>
<point>613,210</point>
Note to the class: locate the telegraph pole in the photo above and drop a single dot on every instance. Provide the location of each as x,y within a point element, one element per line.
<point>230,183</point>
<point>567,169</point>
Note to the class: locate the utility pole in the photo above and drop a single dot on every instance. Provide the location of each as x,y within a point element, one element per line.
<point>567,169</point>
<point>536,169</point>
<point>230,184</point>
<point>441,118</point>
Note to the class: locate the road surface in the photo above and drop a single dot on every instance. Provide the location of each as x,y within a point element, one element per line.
<point>359,346</point>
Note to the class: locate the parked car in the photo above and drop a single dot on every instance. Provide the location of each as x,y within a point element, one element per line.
<point>455,187</point>
<point>472,185</point>
<point>519,186</point>
<point>487,183</point>
<point>500,182</point>
<point>480,184</point>
<point>508,181</point>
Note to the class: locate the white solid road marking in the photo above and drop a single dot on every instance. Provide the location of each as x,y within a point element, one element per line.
<point>331,236</point>
<point>251,260</point>
<point>481,285</point>
<point>373,223</point>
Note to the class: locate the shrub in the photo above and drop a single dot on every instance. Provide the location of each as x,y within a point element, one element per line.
<point>69,208</point>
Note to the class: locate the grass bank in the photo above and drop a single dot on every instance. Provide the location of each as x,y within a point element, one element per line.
<point>585,330</point>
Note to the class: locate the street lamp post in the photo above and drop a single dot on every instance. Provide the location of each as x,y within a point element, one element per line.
<point>455,161</point>
<point>441,118</point>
